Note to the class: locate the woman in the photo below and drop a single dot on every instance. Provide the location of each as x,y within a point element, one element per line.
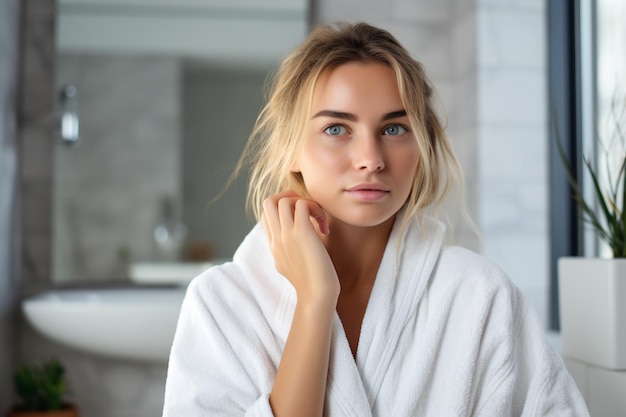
<point>343,300</point>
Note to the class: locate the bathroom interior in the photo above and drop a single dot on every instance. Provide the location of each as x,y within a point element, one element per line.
<point>122,120</point>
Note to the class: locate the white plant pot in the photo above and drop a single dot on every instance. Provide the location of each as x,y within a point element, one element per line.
<point>592,305</point>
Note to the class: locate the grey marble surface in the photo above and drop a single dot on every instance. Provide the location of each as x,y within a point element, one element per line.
<point>107,190</point>
<point>36,133</point>
<point>9,289</point>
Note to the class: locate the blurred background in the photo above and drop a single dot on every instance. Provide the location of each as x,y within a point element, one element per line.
<point>121,120</point>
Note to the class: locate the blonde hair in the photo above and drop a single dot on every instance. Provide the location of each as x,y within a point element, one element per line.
<point>275,141</point>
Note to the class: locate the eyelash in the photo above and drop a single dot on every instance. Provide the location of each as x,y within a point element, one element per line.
<point>400,125</point>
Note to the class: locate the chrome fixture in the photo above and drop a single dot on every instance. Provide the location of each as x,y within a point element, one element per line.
<point>68,115</point>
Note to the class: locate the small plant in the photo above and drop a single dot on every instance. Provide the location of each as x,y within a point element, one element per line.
<point>610,222</point>
<point>41,388</point>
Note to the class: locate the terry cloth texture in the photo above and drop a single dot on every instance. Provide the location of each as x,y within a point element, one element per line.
<point>445,333</point>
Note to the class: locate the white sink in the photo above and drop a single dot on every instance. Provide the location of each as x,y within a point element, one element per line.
<point>130,323</point>
<point>168,273</point>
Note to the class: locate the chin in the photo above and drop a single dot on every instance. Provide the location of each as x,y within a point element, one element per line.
<point>364,218</point>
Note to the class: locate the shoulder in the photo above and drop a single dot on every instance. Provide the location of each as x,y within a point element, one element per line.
<point>247,288</point>
<point>216,292</point>
<point>216,282</point>
<point>473,268</point>
<point>475,282</point>
<point>252,267</point>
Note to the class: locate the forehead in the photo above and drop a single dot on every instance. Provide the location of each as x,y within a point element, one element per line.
<point>355,85</point>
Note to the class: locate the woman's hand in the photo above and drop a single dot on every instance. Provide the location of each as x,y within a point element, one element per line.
<point>294,226</point>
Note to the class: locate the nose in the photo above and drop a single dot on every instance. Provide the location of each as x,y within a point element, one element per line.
<point>368,154</point>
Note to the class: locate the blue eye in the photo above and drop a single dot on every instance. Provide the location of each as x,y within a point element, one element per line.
<point>335,130</point>
<point>394,130</point>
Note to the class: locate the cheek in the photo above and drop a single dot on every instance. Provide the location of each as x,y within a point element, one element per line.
<point>408,167</point>
<point>407,161</point>
<point>318,160</point>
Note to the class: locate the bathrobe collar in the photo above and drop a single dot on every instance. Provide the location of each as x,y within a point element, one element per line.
<point>354,383</point>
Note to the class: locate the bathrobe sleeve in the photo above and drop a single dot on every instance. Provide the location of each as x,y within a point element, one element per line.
<point>524,376</point>
<point>475,348</point>
<point>217,363</point>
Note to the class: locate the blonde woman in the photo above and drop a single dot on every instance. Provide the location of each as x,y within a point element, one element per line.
<point>343,300</point>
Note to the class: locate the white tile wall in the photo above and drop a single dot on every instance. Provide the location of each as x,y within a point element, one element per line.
<point>513,142</point>
<point>537,5</point>
<point>602,389</point>
<point>521,152</point>
<point>512,96</point>
<point>512,38</point>
<point>464,48</point>
<point>427,11</point>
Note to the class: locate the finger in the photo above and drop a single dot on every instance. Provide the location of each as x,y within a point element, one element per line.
<point>266,227</point>
<point>285,212</point>
<point>315,211</point>
<point>270,214</point>
<point>286,193</point>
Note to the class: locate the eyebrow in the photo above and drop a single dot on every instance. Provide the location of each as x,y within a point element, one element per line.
<point>351,117</point>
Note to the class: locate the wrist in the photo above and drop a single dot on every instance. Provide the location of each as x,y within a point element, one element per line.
<point>318,306</point>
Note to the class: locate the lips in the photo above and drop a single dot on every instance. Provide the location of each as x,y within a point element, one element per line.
<point>368,192</point>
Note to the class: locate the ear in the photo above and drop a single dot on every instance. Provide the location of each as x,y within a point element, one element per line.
<point>295,167</point>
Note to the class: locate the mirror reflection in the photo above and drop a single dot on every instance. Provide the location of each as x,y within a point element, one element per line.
<point>161,127</point>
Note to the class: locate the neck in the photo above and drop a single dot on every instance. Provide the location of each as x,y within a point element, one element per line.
<point>356,252</point>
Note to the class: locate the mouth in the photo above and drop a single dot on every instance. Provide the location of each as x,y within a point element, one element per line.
<point>369,187</point>
<point>368,192</point>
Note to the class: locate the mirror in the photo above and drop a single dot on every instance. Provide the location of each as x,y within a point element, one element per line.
<point>166,96</point>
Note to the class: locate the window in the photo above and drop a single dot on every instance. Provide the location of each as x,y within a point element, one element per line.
<point>586,44</point>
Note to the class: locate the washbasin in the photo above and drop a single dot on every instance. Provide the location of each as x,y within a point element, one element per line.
<point>128,323</point>
<point>168,273</point>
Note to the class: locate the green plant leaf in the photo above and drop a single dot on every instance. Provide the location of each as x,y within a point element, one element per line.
<point>613,229</point>
<point>41,388</point>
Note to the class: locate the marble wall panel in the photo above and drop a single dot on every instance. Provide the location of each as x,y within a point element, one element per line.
<point>36,133</point>
<point>220,109</point>
<point>9,196</point>
<point>108,188</point>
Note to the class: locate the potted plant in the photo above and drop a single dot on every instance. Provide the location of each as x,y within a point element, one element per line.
<point>592,290</point>
<point>41,389</point>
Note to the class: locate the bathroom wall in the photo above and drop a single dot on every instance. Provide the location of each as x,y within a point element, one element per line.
<point>486,58</point>
<point>512,131</point>
<point>9,234</point>
<point>220,107</point>
<point>108,189</point>
<point>178,133</point>
<point>36,137</point>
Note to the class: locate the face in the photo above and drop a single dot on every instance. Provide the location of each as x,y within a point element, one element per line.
<point>359,156</point>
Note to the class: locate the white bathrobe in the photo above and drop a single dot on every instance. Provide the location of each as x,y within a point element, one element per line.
<point>445,334</point>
